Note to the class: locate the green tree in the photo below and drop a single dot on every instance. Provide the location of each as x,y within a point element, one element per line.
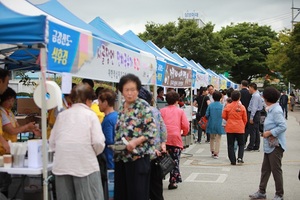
<point>250,43</point>
<point>277,58</point>
<point>188,40</point>
<point>292,66</point>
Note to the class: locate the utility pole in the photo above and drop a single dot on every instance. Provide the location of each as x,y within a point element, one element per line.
<point>294,17</point>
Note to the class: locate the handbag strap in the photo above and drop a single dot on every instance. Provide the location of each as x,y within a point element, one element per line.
<point>202,103</point>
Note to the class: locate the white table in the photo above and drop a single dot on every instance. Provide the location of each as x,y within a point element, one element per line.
<point>25,170</point>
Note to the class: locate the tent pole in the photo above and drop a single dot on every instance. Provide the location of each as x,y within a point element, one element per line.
<point>44,124</point>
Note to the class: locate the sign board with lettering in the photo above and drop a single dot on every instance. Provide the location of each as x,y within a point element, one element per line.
<point>191,15</point>
<point>177,77</point>
<point>89,57</point>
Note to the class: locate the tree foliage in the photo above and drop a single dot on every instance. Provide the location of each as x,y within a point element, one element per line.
<point>188,40</point>
<point>240,49</point>
<point>250,43</point>
<point>292,66</point>
<point>277,57</point>
<point>285,54</point>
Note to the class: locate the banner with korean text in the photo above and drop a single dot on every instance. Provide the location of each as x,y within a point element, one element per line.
<point>177,77</point>
<point>88,57</point>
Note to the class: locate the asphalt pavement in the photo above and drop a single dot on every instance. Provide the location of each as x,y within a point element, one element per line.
<point>206,178</point>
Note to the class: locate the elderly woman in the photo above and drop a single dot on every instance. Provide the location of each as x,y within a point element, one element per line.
<point>274,145</point>
<point>77,139</point>
<point>177,124</point>
<point>136,129</point>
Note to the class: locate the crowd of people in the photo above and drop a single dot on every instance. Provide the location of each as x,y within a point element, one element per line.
<point>90,137</point>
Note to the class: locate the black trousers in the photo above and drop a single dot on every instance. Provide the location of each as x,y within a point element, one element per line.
<point>5,181</point>
<point>231,137</point>
<point>253,131</point>
<point>156,183</point>
<point>132,179</point>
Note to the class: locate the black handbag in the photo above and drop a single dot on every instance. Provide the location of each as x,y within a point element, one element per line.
<point>165,163</point>
<point>263,115</point>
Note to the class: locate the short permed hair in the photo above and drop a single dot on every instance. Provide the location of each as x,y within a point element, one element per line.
<point>81,93</point>
<point>127,78</point>
<point>172,97</point>
<point>271,94</point>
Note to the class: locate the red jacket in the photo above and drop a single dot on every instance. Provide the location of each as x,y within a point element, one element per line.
<point>235,115</point>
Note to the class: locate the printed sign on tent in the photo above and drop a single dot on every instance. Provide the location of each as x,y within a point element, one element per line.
<point>62,48</point>
<point>160,72</point>
<point>177,77</point>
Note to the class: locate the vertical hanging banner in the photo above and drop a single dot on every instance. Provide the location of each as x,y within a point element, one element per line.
<point>62,48</point>
<point>160,72</point>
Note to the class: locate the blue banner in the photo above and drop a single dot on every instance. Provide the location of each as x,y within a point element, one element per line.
<point>62,48</point>
<point>160,72</point>
<point>194,73</point>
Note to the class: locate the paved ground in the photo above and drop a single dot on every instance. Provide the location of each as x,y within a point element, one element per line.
<point>210,179</point>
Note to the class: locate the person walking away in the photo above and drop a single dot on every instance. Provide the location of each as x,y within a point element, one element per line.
<point>202,101</point>
<point>177,125</point>
<point>254,109</point>
<point>76,139</point>
<point>274,143</point>
<point>283,102</point>
<point>156,183</point>
<point>214,125</point>
<point>136,125</point>
<point>245,99</point>
<point>236,118</point>
<point>292,101</point>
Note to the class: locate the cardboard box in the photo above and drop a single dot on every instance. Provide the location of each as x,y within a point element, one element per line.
<point>23,119</point>
<point>26,106</point>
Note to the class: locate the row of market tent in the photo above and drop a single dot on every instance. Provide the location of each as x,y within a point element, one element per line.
<point>49,38</point>
<point>93,50</point>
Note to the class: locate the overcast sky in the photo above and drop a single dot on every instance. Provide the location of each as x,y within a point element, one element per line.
<point>125,15</point>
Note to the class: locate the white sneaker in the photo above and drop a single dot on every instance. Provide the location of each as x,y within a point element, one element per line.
<point>277,197</point>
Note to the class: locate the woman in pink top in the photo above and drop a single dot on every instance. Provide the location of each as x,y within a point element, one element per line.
<point>177,124</point>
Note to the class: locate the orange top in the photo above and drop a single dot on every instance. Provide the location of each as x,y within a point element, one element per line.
<point>235,115</point>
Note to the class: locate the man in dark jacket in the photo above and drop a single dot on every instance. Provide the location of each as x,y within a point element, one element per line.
<point>245,99</point>
<point>283,102</point>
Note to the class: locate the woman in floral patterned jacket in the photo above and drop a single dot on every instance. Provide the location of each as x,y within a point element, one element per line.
<point>136,125</point>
